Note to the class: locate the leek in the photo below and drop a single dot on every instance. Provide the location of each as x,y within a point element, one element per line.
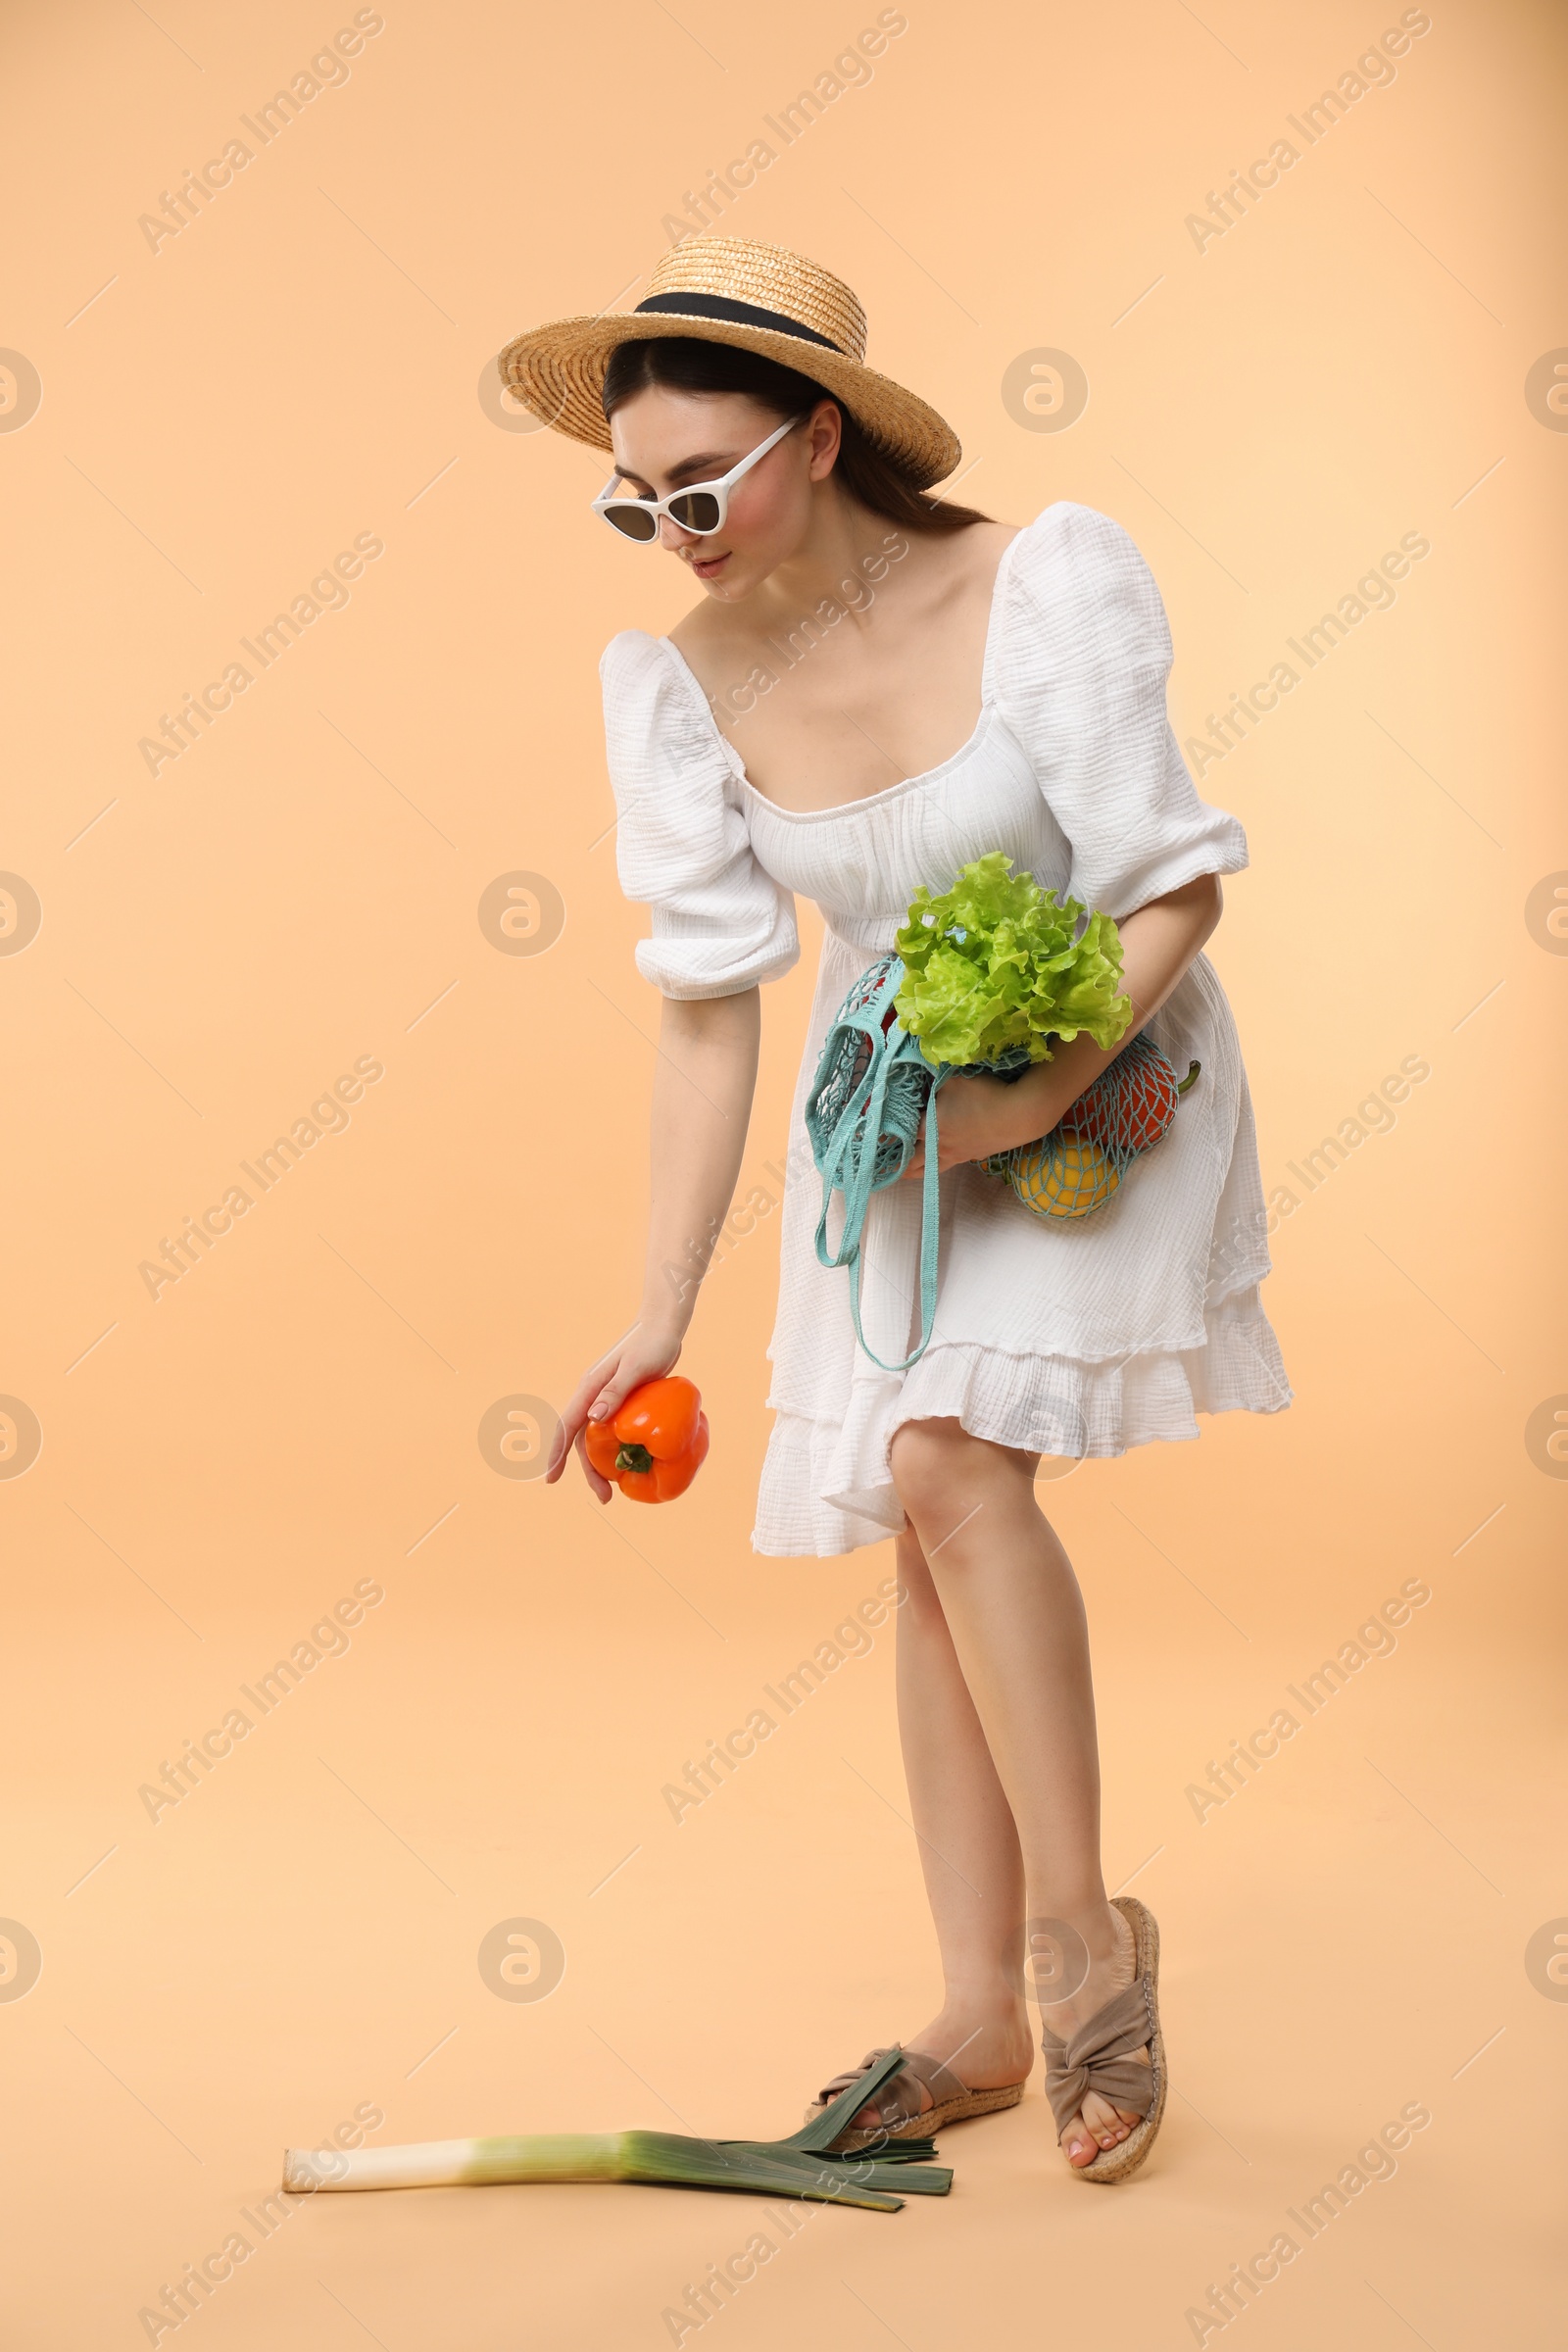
<point>800,2166</point>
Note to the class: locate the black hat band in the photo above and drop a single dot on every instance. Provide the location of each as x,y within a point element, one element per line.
<point>734,313</point>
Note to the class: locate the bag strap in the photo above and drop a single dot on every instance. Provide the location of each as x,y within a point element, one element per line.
<point>855,1180</point>
<point>930,1226</point>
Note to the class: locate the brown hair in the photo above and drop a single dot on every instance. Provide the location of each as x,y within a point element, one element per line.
<point>690,363</point>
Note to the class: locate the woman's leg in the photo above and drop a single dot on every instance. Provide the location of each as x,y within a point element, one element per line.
<point>997,1714</point>
<point>968,1847</point>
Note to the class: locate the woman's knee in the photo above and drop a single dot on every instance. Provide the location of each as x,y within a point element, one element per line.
<point>942,1475</point>
<point>935,1465</point>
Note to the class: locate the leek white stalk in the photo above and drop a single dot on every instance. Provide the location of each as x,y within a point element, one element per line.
<point>461,2163</point>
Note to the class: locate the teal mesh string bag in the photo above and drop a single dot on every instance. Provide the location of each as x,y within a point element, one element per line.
<point>873,1098</point>
<point>871,1095</point>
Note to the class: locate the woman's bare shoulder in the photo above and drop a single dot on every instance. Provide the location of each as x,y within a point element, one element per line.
<point>986,539</point>
<point>961,560</point>
<point>706,628</point>
<point>960,570</point>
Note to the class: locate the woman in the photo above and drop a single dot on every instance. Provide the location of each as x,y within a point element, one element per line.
<point>875,688</point>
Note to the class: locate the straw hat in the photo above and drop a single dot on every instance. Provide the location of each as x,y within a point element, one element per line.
<point>728,290</point>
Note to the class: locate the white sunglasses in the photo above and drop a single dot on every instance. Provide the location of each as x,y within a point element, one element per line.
<point>700,509</point>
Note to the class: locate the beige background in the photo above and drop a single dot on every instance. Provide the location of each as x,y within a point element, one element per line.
<point>299,1411</point>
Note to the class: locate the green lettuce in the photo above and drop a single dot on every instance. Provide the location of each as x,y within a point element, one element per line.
<point>995,964</point>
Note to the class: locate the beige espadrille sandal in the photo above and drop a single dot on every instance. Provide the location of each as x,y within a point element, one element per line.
<point>898,2101</point>
<point>1099,2056</point>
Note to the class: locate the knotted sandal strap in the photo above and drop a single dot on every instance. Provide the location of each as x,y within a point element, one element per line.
<point>1097,2058</point>
<point>898,2101</point>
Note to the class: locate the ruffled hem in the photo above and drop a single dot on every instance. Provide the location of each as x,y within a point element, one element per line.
<point>826,1488</point>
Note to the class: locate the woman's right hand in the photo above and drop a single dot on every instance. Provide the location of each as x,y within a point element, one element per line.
<point>645,1354</point>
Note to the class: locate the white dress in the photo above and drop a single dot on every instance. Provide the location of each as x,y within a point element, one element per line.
<point>1069,1338</point>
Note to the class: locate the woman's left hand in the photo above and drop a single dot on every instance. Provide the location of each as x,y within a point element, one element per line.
<point>977,1116</point>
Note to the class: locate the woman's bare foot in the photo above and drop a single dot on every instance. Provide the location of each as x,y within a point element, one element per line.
<point>987,2046</point>
<point>1100,2124</point>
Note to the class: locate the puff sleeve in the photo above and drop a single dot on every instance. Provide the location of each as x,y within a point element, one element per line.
<point>1083,661</point>
<point>720,924</point>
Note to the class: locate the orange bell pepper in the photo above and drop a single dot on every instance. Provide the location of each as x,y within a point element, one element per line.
<point>653,1446</point>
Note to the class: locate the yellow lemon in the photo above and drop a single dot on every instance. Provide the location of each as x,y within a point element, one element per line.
<point>1065,1181</point>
